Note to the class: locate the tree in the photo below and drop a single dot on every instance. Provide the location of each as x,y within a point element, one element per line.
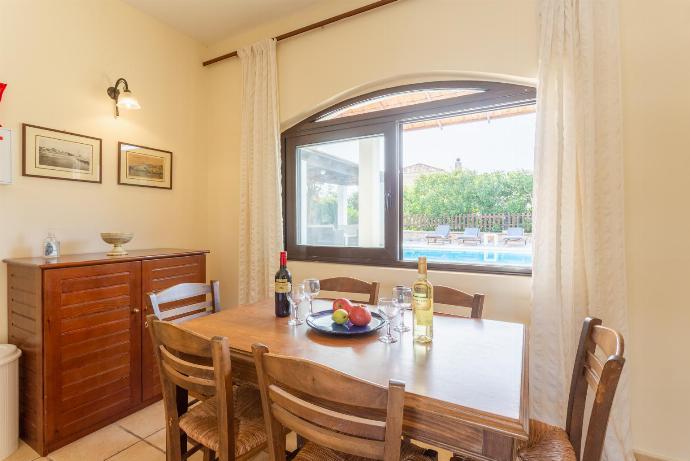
<point>446,194</point>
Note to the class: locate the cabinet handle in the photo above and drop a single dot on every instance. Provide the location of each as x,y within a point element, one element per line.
<point>135,310</point>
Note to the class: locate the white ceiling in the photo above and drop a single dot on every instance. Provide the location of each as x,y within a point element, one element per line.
<point>211,20</point>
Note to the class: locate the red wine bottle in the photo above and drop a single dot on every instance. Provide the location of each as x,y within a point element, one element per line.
<point>283,287</point>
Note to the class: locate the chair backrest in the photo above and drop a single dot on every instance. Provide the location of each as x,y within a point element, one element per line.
<point>453,297</point>
<point>443,229</point>
<point>471,231</point>
<point>516,231</point>
<point>327,407</point>
<point>185,301</point>
<point>598,365</point>
<point>190,363</point>
<point>352,285</point>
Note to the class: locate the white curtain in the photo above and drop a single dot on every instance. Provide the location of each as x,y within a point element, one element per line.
<point>261,219</point>
<point>579,252</point>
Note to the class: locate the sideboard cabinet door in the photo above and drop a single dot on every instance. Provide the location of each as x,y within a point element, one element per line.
<point>159,274</point>
<point>93,346</point>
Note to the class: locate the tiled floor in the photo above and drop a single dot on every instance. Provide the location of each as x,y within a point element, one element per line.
<point>138,437</point>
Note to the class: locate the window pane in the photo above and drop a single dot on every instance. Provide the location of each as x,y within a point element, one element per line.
<point>340,193</point>
<point>402,99</point>
<point>467,188</point>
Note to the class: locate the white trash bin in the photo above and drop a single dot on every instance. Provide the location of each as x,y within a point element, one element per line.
<point>9,403</point>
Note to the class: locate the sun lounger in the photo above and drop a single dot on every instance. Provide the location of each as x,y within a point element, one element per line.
<point>470,234</point>
<point>441,234</point>
<point>515,234</point>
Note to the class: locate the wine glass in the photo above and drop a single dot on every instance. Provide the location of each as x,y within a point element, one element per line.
<point>312,287</point>
<point>296,297</point>
<point>403,296</point>
<point>389,309</point>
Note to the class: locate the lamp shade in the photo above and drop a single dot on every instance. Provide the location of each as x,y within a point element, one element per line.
<point>127,100</point>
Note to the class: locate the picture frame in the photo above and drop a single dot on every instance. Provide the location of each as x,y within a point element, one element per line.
<point>56,154</point>
<point>143,166</point>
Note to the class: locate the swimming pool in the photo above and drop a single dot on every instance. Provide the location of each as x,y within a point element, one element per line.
<point>503,257</point>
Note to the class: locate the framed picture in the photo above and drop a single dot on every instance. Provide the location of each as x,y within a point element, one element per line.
<point>48,153</point>
<point>144,166</point>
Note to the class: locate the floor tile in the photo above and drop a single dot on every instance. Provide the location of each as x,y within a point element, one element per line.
<point>145,422</point>
<point>141,451</point>
<point>23,453</point>
<point>96,446</point>
<point>157,439</point>
<point>291,441</point>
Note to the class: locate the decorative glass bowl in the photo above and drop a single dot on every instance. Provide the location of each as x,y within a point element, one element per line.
<point>117,239</point>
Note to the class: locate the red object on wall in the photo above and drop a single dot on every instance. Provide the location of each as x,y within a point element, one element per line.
<point>2,90</point>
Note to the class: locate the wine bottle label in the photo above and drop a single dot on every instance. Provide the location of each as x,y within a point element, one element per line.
<point>421,301</point>
<point>283,286</point>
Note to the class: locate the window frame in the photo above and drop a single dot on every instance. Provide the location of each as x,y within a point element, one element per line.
<point>389,123</point>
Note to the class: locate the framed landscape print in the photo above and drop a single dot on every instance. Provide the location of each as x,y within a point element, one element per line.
<point>48,153</point>
<point>144,166</point>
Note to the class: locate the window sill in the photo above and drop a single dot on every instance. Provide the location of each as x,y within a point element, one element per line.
<point>468,268</point>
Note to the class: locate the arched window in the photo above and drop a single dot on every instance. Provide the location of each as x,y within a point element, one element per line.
<point>440,169</point>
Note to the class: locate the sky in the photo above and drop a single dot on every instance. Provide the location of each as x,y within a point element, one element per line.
<point>503,144</point>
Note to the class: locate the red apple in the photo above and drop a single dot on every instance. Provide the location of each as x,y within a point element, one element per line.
<point>360,316</point>
<point>342,303</point>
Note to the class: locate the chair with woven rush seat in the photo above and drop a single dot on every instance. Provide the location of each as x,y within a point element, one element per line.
<point>185,301</point>
<point>228,422</point>
<point>352,285</point>
<point>341,417</point>
<point>453,297</point>
<point>552,443</point>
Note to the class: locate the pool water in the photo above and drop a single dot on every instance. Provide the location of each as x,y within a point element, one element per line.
<point>469,256</point>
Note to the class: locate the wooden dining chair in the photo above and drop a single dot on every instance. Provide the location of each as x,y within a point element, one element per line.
<point>598,365</point>
<point>185,301</point>
<point>352,285</point>
<point>340,416</point>
<point>453,297</point>
<point>228,422</point>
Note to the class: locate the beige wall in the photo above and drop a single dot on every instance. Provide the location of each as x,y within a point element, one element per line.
<point>58,59</point>
<point>410,41</point>
<point>61,83</point>
<point>656,74</point>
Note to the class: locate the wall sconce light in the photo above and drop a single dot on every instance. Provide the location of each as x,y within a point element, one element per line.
<point>122,99</point>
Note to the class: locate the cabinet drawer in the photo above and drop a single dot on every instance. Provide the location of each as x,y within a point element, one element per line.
<point>157,275</point>
<point>93,345</point>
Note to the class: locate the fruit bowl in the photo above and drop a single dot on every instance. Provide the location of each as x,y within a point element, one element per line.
<point>117,239</point>
<point>323,323</point>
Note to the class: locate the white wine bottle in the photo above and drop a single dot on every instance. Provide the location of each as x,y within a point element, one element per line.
<point>423,305</point>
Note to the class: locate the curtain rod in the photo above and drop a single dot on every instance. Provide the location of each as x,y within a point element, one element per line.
<point>316,25</point>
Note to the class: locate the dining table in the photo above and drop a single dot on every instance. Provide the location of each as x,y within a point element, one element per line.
<point>466,391</point>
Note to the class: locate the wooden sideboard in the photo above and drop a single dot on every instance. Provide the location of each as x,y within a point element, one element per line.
<point>80,322</point>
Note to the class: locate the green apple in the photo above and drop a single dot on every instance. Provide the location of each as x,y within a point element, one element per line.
<point>340,316</point>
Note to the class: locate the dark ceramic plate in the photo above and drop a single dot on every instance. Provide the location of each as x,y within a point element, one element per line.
<point>322,322</point>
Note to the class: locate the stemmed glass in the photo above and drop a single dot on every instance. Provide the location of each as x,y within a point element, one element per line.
<point>389,309</point>
<point>296,298</point>
<point>312,287</point>
<point>403,296</point>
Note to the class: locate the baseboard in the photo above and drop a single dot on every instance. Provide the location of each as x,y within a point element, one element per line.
<point>640,456</point>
